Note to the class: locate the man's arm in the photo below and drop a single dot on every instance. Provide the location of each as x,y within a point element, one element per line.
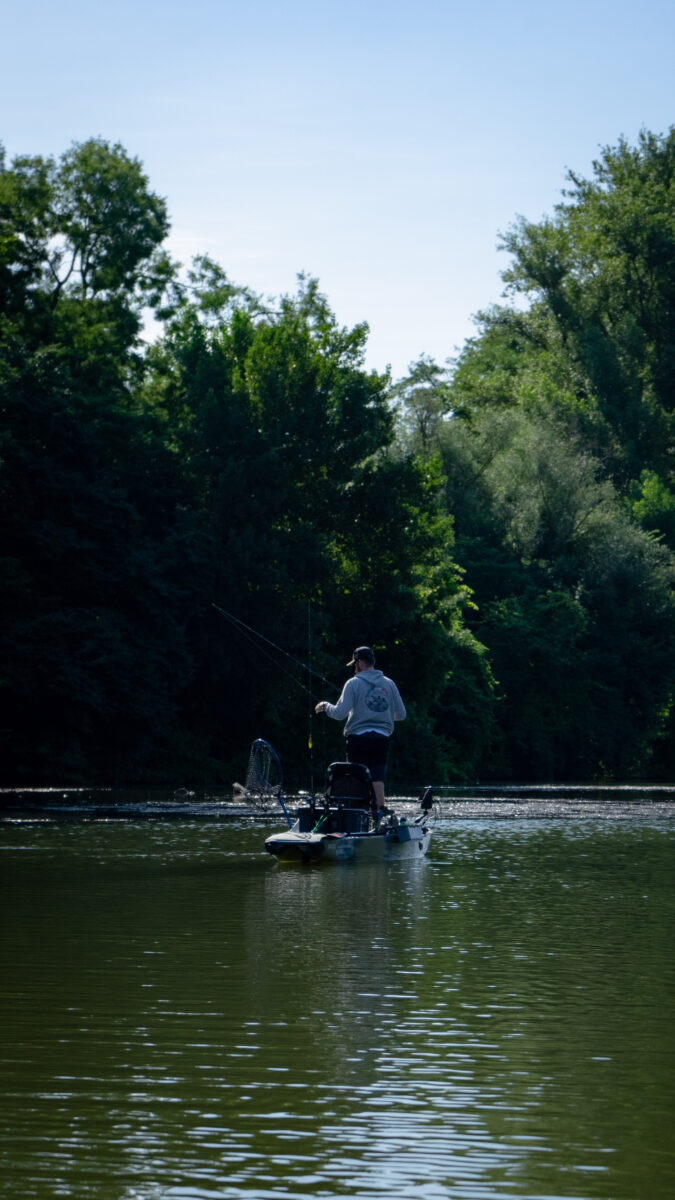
<point>398,707</point>
<point>344,705</point>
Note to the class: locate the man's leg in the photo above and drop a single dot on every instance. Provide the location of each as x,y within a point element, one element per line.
<point>360,748</point>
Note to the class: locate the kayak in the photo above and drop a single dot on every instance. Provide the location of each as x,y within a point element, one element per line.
<point>344,825</point>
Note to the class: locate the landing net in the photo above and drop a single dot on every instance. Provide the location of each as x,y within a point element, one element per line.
<point>264,779</point>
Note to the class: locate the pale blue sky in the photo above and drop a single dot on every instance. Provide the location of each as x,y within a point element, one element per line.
<point>378,146</point>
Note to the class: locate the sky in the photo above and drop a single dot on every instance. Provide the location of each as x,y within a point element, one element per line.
<point>379,147</point>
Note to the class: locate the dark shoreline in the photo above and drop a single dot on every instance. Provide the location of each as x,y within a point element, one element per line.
<point>538,801</point>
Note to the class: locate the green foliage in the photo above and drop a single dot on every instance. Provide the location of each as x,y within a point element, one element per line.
<point>93,607</point>
<point>604,268</point>
<point>558,462</point>
<point>652,505</point>
<point>499,531</point>
<point>84,228</point>
<point>286,441</point>
<point>96,539</point>
<point>423,402</point>
<point>630,646</point>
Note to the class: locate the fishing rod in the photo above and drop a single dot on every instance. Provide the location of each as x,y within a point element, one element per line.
<point>310,707</point>
<point>252,634</point>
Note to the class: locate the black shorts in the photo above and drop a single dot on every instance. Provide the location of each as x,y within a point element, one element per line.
<point>371,749</point>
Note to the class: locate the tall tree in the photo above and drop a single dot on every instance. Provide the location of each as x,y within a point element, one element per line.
<point>288,444</point>
<point>93,540</point>
<point>558,459</point>
<point>604,267</point>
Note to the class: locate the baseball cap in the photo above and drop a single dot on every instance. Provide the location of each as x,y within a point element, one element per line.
<point>364,653</point>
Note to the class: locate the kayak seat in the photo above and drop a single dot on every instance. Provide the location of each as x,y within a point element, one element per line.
<point>349,785</point>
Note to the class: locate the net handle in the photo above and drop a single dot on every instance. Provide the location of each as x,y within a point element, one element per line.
<point>278,788</point>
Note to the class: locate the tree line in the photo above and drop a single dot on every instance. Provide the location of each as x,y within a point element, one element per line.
<point>500,527</point>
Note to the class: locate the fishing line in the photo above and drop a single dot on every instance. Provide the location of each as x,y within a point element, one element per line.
<point>248,632</point>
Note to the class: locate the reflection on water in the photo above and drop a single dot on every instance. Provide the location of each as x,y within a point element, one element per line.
<point>181,1018</point>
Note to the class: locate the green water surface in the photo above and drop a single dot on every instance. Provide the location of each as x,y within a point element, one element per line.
<point>182,1018</point>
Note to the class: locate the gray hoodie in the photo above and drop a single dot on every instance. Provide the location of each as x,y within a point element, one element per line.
<point>370,702</point>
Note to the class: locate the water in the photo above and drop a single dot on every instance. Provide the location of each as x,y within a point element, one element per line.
<point>182,1019</point>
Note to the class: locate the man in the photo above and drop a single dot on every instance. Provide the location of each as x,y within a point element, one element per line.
<point>371,703</point>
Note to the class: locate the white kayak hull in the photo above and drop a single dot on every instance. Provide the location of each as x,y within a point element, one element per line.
<point>391,844</point>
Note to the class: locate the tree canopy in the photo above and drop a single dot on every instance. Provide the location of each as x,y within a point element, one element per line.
<point>246,459</point>
<point>500,529</point>
<point>559,462</point>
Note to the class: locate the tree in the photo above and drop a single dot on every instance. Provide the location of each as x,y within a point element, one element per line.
<point>588,596</point>
<point>97,547</point>
<point>86,227</point>
<point>423,400</point>
<point>547,545</point>
<point>604,268</point>
<point>287,441</point>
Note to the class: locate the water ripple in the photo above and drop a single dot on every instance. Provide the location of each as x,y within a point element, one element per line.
<point>181,1019</point>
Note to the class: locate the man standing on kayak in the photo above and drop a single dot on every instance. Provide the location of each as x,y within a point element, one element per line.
<point>371,703</point>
